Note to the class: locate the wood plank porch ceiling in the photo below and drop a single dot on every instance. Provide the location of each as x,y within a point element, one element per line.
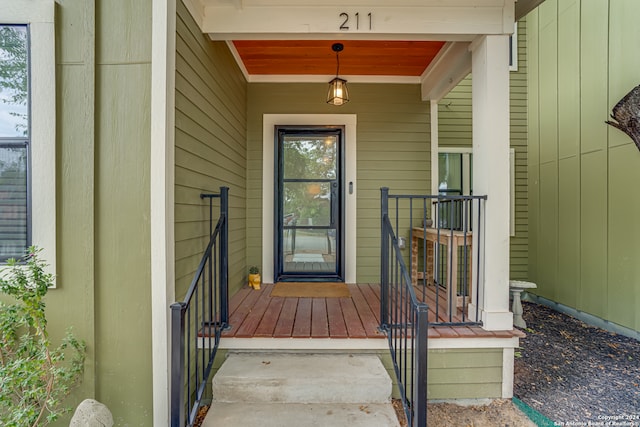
<point>315,57</point>
<point>255,314</point>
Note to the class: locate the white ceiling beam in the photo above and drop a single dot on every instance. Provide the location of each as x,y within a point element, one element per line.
<point>226,21</point>
<point>448,68</point>
<point>344,36</point>
<point>348,3</point>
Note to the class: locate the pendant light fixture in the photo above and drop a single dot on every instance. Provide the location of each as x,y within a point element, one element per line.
<point>338,93</point>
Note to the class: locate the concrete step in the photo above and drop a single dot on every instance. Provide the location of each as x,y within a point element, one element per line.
<point>302,378</point>
<point>261,414</point>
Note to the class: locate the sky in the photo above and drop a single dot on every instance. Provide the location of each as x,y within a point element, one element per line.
<point>8,121</point>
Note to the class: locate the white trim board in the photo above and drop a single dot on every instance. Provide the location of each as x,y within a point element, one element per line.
<point>269,122</point>
<point>357,343</point>
<point>162,164</point>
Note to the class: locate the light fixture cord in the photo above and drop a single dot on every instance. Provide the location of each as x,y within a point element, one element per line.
<point>338,64</point>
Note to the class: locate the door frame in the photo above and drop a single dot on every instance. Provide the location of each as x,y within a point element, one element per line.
<point>269,122</point>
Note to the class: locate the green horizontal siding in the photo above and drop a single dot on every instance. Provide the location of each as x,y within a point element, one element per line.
<point>459,373</point>
<point>210,148</point>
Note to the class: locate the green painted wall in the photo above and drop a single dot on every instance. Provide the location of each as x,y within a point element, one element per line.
<point>123,282</point>
<point>75,186</point>
<point>458,373</point>
<point>103,74</point>
<point>393,150</point>
<point>211,104</point>
<point>455,130</point>
<point>583,210</point>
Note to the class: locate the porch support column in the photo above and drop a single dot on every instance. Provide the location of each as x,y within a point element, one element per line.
<point>162,201</point>
<point>490,97</point>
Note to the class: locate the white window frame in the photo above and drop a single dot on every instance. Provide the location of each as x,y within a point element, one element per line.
<point>39,16</point>
<point>513,48</point>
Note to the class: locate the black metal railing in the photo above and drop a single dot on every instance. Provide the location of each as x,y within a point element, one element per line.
<point>440,232</point>
<point>439,260</point>
<point>198,321</point>
<point>405,321</point>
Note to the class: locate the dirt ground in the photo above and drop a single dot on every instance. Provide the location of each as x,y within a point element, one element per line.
<point>499,413</point>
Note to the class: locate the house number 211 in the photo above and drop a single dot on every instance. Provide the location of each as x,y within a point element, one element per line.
<point>345,17</point>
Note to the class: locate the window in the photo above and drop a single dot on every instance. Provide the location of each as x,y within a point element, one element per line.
<point>454,179</point>
<point>27,129</point>
<point>513,49</point>
<point>15,230</point>
<point>455,169</point>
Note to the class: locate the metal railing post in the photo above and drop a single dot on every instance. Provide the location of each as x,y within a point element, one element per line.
<point>178,412</point>
<point>384,258</point>
<point>420,363</point>
<point>224,256</point>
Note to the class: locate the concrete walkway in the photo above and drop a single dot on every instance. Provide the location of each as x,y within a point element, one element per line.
<point>302,390</point>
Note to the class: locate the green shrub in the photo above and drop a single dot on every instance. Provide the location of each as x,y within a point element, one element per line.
<point>34,376</point>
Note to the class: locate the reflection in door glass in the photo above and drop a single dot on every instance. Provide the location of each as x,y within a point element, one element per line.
<point>310,202</point>
<point>309,158</point>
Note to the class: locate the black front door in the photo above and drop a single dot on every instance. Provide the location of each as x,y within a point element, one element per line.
<point>309,204</point>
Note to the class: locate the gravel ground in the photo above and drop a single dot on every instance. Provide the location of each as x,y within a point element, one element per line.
<point>576,374</point>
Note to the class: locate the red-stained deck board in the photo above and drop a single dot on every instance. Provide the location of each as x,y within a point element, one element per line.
<point>253,318</point>
<point>242,310</point>
<point>465,331</point>
<point>254,313</point>
<point>237,299</point>
<point>509,334</point>
<point>267,326</point>
<point>302,325</point>
<point>373,299</point>
<point>284,326</point>
<point>319,321</point>
<point>337,327</point>
<point>447,332</point>
<point>368,319</point>
<point>351,319</point>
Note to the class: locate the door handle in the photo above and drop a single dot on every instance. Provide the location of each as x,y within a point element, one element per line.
<point>334,196</point>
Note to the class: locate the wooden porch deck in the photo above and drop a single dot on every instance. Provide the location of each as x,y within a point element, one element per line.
<point>256,314</point>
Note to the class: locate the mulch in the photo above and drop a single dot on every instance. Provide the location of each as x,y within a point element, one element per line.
<point>201,415</point>
<point>577,374</point>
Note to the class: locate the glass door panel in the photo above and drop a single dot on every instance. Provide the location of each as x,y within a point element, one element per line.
<point>308,245</point>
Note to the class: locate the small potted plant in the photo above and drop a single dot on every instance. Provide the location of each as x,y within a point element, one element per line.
<point>254,277</point>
